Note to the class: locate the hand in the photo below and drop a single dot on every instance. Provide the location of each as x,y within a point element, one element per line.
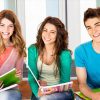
<point>42,83</point>
<point>18,74</point>
<point>1,84</point>
<point>40,93</point>
<point>48,91</point>
<point>96,96</point>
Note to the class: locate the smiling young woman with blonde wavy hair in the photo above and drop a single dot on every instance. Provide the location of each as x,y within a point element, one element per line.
<point>12,50</point>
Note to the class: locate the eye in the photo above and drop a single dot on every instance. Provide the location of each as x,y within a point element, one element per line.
<point>44,30</point>
<point>1,24</point>
<point>53,32</point>
<point>98,25</point>
<point>11,26</point>
<point>88,28</point>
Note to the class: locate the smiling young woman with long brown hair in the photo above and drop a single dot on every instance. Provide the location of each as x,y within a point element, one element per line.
<point>50,60</point>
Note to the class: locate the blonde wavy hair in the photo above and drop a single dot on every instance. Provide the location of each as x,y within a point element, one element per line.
<point>16,38</point>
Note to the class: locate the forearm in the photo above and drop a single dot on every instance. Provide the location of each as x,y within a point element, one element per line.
<point>33,84</point>
<point>86,90</point>
<point>19,67</point>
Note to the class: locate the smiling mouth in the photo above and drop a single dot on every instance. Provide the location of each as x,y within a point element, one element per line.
<point>47,39</point>
<point>96,35</point>
<point>5,33</point>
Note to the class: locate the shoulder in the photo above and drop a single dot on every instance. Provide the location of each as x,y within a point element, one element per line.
<point>32,50</point>
<point>32,47</point>
<point>81,48</point>
<point>65,54</point>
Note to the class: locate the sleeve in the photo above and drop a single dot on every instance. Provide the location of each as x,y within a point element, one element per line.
<point>65,66</point>
<point>20,64</point>
<point>79,57</point>
<point>32,63</point>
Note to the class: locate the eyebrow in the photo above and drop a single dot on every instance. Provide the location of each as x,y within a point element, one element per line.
<point>9,24</point>
<point>50,30</point>
<point>94,24</point>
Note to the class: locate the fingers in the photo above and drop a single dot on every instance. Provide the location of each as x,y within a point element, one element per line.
<point>19,74</point>
<point>40,93</point>
<point>49,91</point>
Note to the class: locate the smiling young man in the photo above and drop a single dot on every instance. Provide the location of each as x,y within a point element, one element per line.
<point>87,56</point>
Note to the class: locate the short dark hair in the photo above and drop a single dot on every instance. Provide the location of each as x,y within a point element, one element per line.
<point>91,13</point>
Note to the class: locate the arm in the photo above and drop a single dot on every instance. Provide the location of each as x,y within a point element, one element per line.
<point>82,76</point>
<point>32,62</point>
<point>65,65</point>
<point>19,67</point>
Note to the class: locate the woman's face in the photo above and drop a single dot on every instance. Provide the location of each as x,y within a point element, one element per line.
<point>6,28</point>
<point>93,28</point>
<point>49,34</point>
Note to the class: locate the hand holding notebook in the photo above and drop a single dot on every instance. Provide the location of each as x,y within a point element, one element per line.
<point>9,80</point>
<point>54,88</point>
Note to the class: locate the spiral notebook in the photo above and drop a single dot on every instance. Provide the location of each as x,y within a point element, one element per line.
<point>56,88</point>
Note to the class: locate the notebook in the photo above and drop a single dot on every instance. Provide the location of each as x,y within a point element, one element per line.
<point>9,80</point>
<point>83,97</point>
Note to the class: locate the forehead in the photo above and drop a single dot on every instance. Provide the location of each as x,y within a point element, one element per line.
<point>50,26</point>
<point>6,21</point>
<point>92,21</point>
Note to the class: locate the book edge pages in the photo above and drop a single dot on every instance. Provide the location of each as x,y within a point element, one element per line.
<point>9,87</point>
<point>76,93</point>
<point>67,83</point>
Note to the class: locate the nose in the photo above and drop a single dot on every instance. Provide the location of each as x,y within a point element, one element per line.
<point>48,34</point>
<point>6,29</point>
<point>94,30</point>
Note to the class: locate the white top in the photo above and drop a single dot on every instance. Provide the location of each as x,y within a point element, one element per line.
<point>48,73</point>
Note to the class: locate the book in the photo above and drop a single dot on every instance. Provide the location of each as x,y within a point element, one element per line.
<point>56,88</point>
<point>9,79</point>
<point>83,97</point>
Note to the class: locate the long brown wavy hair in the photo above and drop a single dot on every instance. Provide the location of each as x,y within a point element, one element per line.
<point>61,42</point>
<point>16,38</point>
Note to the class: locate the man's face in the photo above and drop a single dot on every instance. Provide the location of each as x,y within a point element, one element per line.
<point>93,28</point>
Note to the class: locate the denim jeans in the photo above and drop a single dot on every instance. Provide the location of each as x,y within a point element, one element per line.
<point>67,95</point>
<point>78,98</point>
<point>11,94</point>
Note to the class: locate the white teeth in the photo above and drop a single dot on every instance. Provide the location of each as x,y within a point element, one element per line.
<point>47,39</point>
<point>5,33</point>
<point>96,35</point>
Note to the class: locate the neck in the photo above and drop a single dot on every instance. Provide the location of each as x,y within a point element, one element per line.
<point>7,43</point>
<point>50,49</point>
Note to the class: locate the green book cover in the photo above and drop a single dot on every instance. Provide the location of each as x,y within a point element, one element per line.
<point>79,94</point>
<point>9,78</point>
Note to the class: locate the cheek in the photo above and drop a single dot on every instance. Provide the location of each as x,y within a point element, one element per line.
<point>11,32</point>
<point>89,32</point>
<point>42,37</point>
<point>1,30</point>
<point>54,37</point>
